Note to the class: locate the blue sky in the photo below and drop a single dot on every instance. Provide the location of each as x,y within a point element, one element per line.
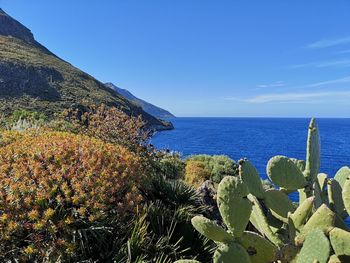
<point>206,58</point>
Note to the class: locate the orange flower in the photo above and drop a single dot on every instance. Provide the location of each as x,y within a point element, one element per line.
<point>48,214</point>
<point>29,250</point>
<point>33,215</point>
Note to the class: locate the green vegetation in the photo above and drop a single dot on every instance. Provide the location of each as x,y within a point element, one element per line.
<point>172,166</point>
<point>205,167</point>
<point>80,183</point>
<point>27,115</point>
<point>312,231</point>
<point>87,187</point>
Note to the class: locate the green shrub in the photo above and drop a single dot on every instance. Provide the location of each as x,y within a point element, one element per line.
<point>171,166</point>
<point>203,167</point>
<point>162,229</point>
<point>27,115</point>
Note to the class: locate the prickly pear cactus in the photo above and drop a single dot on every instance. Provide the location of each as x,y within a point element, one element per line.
<point>323,219</point>
<point>229,252</point>
<point>299,163</point>
<point>340,240</point>
<point>259,221</point>
<point>320,192</point>
<point>251,178</point>
<point>283,172</point>
<point>259,249</point>
<point>234,206</point>
<point>210,229</point>
<point>311,232</point>
<point>302,213</point>
<point>334,259</point>
<point>335,198</point>
<point>341,175</point>
<point>279,204</point>
<point>312,166</point>
<point>346,194</point>
<point>315,248</point>
<point>297,220</point>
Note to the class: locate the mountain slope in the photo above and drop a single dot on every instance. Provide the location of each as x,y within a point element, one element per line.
<point>146,106</point>
<point>33,78</point>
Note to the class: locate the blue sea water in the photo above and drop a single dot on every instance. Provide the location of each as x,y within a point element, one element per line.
<point>258,139</point>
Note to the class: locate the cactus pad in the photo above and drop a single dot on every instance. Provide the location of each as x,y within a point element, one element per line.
<point>210,229</point>
<point>322,180</point>
<point>334,259</point>
<point>341,175</point>
<point>312,166</point>
<point>320,191</point>
<point>299,163</point>
<point>302,213</point>
<point>234,206</point>
<point>302,195</point>
<point>340,240</point>
<point>335,198</point>
<point>251,178</point>
<point>259,221</point>
<point>283,172</point>
<point>279,204</point>
<point>259,249</point>
<point>322,219</point>
<point>315,248</point>
<point>230,253</point>
<point>346,194</point>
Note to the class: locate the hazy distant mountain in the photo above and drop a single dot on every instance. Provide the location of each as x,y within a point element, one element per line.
<point>33,78</point>
<point>146,106</point>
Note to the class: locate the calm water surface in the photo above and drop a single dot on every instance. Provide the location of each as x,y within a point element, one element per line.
<point>258,139</point>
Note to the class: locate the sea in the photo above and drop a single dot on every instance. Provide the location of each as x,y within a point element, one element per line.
<point>258,139</point>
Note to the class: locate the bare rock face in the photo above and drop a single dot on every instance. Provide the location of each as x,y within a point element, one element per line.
<point>11,27</point>
<point>208,192</point>
<point>17,80</point>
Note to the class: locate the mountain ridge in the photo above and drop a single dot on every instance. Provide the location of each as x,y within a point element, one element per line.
<point>146,106</point>
<point>33,78</point>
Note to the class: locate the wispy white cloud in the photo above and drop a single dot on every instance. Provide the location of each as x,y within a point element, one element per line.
<point>328,82</point>
<point>324,64</point>
<point>324,43</point>
<point>272,85</point>
<point>296,97</point>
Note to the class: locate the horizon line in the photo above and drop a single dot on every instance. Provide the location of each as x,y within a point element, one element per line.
<point>261,117</point>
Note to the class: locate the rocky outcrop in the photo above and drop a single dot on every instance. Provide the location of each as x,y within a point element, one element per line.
<point>207,192</point>
<point>11,27</point>
<point>18,80</point>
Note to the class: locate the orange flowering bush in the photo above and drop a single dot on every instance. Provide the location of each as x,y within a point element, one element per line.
<point>54,183</point>
<point>196,173</point>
